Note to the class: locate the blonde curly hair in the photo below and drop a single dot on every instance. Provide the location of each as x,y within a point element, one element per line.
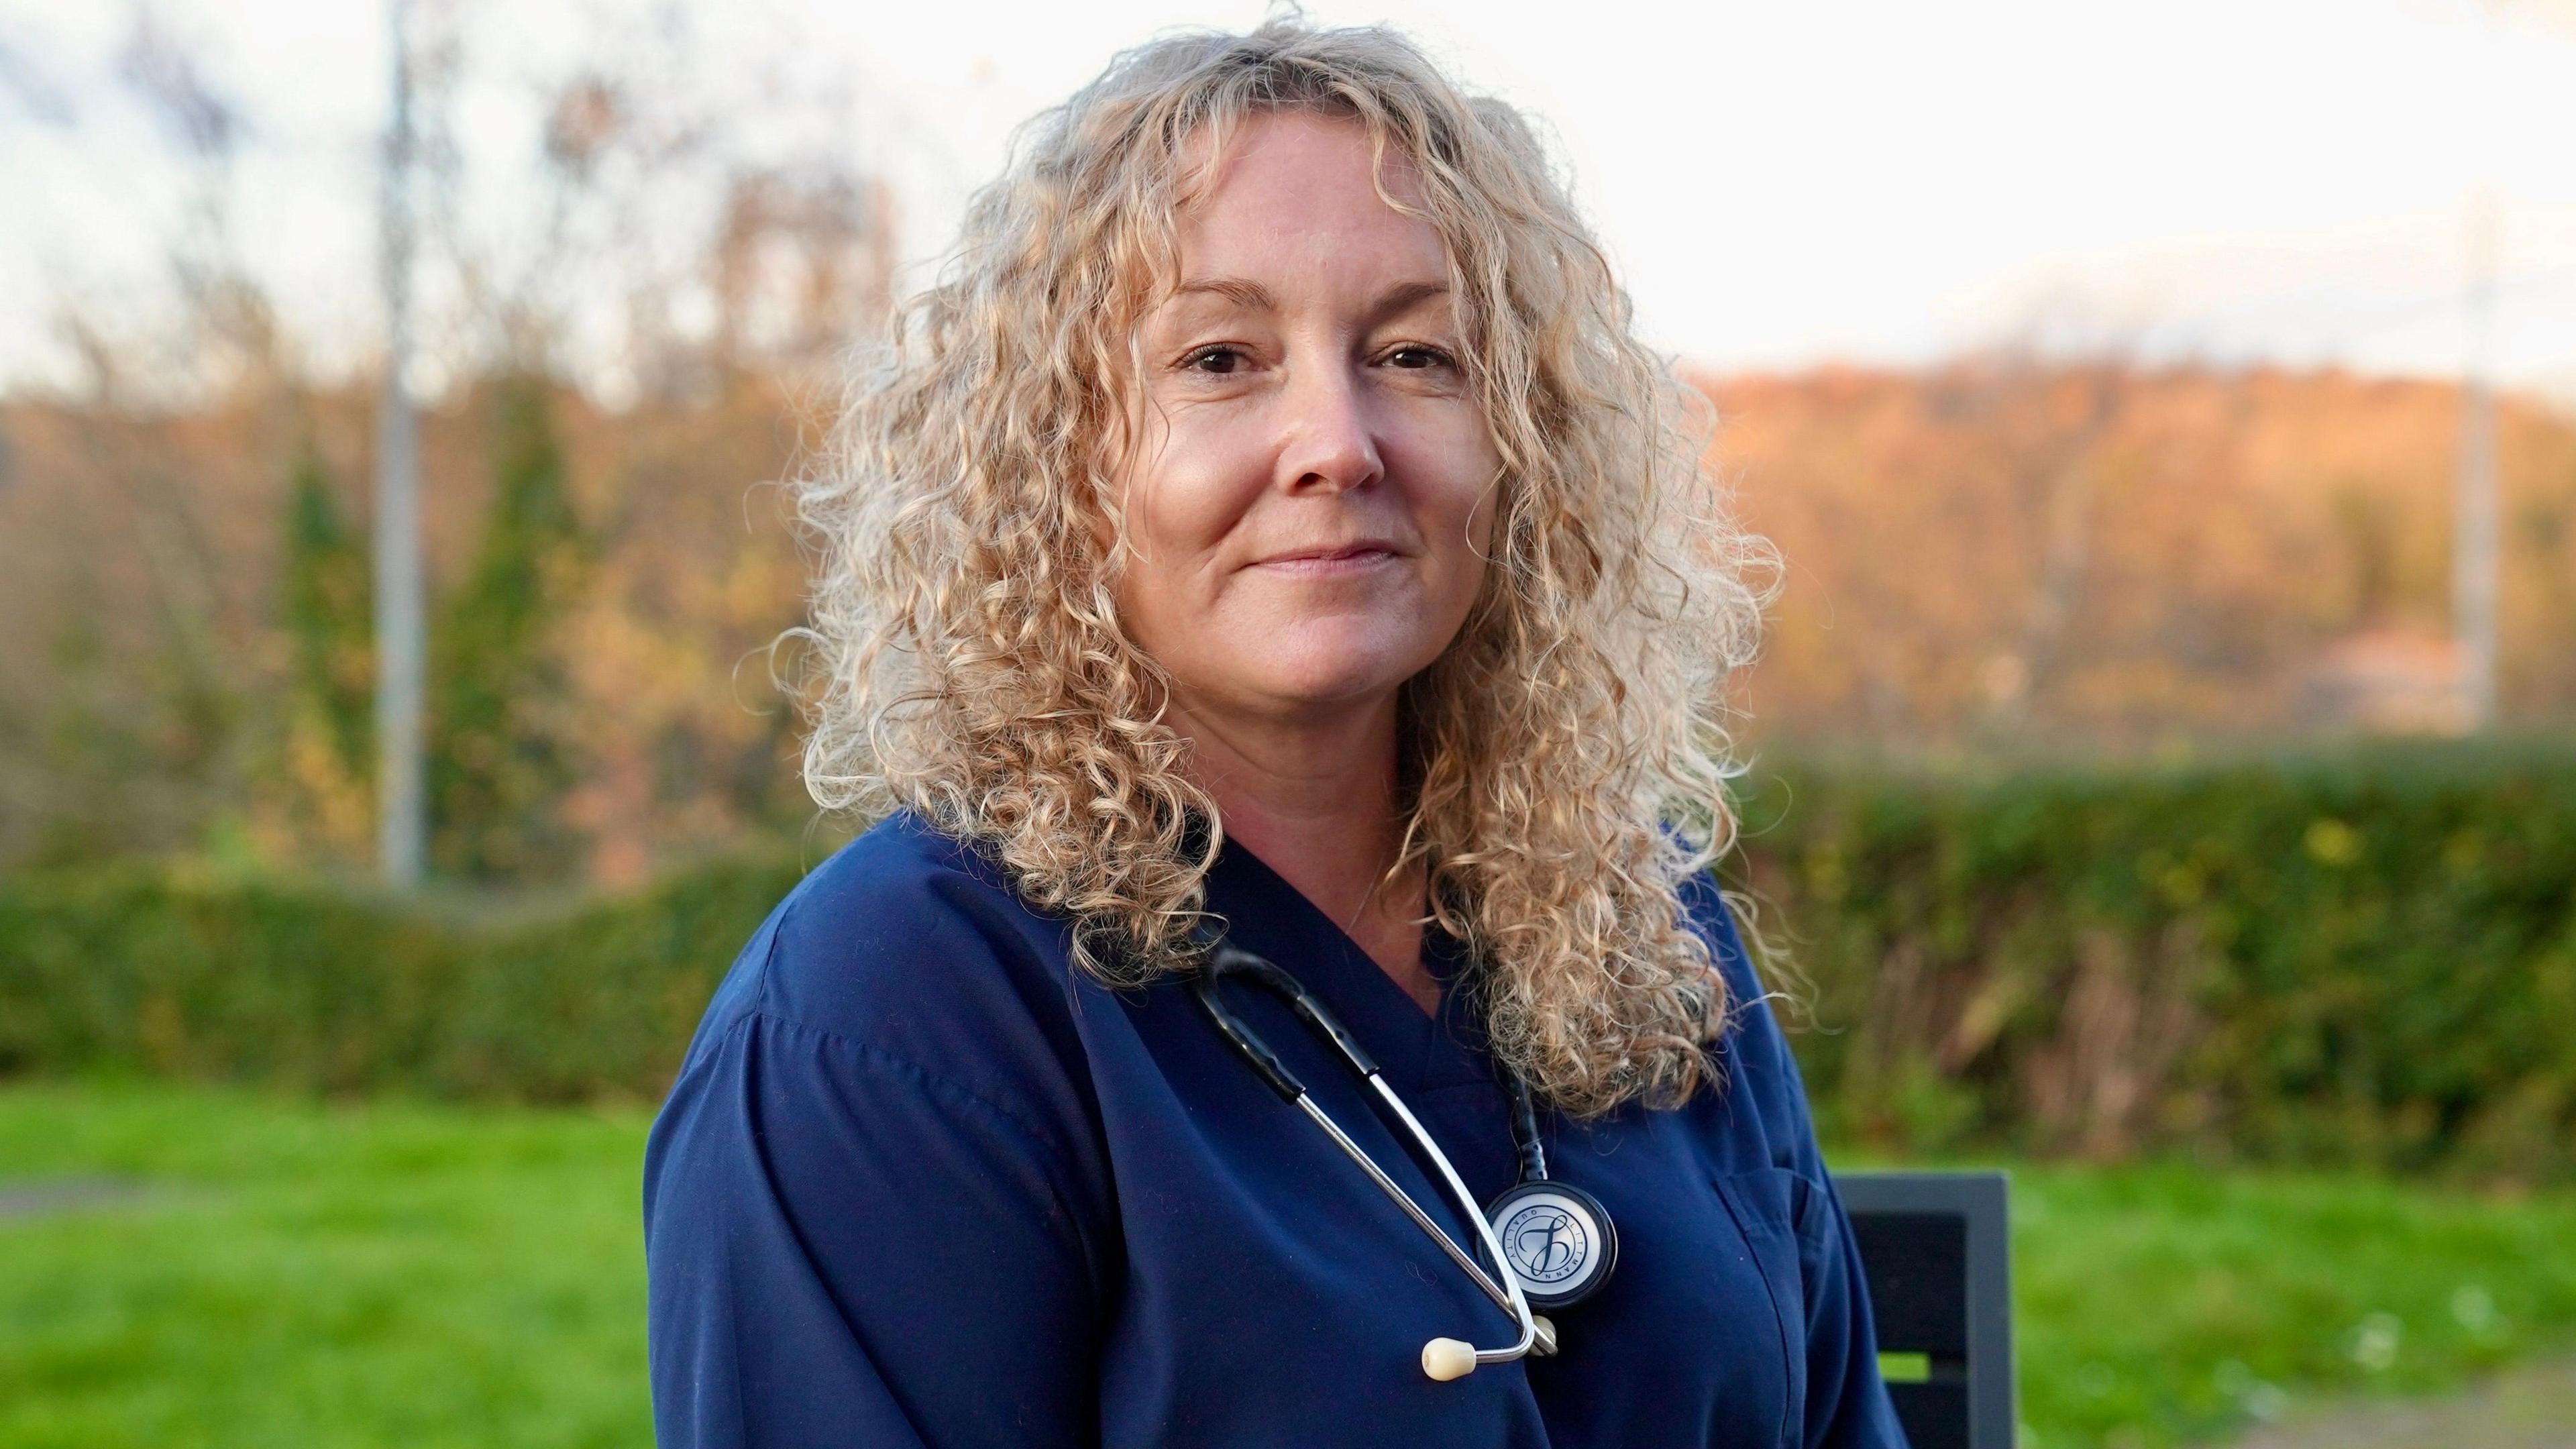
<point>1558,759</point>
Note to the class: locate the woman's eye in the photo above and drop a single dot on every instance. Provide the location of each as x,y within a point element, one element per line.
<point>1414,358</point>
<point>1218,360</point>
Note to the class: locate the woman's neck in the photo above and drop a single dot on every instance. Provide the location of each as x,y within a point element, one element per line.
<point>1315,798</point>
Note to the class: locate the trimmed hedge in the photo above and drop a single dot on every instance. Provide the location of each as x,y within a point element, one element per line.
<point>149,971</point>
<point>2367,959</point>
<point>2364,960</point>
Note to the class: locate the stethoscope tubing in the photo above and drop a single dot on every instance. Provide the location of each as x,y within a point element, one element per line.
<point>1225,959</point>
<point>1508,1297</point>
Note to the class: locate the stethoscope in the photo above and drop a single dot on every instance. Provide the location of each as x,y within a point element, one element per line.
<point>1553,1241</point>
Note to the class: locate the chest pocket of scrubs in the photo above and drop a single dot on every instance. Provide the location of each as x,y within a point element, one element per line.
<point>1782,1216</point>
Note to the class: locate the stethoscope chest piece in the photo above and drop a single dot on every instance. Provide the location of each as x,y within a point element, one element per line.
<point>1557,1239</point>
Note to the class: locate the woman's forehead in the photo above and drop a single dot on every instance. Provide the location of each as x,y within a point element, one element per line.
<point>1302,191</point>
<point>1291,148</point>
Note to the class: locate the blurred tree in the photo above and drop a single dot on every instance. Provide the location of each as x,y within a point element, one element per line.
<point>329,729</point>
<point>2369,541</point>
<point>500,763</point>
<point>2021,555</point>
<point>631,319</point>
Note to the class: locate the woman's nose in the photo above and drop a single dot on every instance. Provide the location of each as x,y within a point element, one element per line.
<point>1329,442</point>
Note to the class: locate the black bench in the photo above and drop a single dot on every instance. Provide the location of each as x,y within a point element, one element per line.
<point>1934,1248</point>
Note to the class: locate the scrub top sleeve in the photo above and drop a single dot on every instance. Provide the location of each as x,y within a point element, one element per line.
<point>1847,1404</point>
<point>844,1248</point>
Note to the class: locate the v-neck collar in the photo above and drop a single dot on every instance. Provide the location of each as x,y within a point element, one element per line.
<point>1418,1049</point>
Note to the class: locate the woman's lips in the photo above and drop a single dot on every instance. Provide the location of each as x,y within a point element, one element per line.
<point>1331,563</point>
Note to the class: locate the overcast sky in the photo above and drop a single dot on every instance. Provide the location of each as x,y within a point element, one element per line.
<point>1782,183</point>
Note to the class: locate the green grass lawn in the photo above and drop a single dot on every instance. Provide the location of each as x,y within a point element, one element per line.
<point>2163,1304</point>
<point>314,1276</point>
<point>297,1275</point>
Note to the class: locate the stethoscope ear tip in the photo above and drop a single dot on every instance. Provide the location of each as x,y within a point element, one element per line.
<point>1448,1358</point>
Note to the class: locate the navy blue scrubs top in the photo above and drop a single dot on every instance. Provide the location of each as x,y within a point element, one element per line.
<point>919,1183</point>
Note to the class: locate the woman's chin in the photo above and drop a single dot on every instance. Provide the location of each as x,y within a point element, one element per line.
<point>1305,680</point>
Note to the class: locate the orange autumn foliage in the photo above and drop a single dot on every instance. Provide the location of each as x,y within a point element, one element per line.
<point>1983,555</point>
<point>1997,552</point>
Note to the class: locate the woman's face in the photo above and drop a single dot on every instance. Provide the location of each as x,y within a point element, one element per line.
<point>1309,505</point>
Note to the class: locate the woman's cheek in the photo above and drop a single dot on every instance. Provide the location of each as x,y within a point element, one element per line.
<point>1209,481</point>
<point>1456,516</point>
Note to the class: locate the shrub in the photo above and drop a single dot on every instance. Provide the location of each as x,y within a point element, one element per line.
<point>2366,959</point>
<point>149,971</point>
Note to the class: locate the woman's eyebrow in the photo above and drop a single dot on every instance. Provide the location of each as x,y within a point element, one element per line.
<point>1404,296</point>
<point>1253,296</point>
<point>1237,290</point>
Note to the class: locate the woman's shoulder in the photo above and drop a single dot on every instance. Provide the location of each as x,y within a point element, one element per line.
<point>1705,908</point>
<point>1757,1071</point>
<point>907,944</point>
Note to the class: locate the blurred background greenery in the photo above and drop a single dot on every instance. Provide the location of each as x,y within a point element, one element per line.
<point>2133,798</point>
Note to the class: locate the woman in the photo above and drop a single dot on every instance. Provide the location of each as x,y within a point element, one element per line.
<point>1267,529</point>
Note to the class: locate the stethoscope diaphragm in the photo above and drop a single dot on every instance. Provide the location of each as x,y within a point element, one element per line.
<point>1557,1239</point>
